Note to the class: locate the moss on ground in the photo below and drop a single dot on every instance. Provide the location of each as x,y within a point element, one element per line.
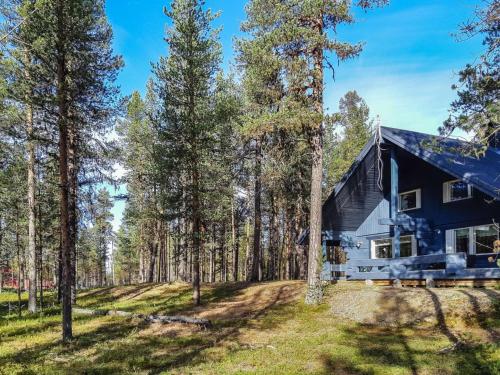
<point>258,329</point>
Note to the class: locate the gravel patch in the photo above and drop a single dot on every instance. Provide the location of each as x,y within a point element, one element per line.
<point>406,306</point>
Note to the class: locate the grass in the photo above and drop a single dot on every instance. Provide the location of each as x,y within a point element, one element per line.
<point>258,329</point>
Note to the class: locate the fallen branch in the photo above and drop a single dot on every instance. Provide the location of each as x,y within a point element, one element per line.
<point>205,323</point>
<point>459,345</point>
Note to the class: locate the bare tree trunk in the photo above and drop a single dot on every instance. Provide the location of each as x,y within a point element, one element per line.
<point>153,249</point>
<point>63,174</point>
<point>40,252</point>
<point>314,293</point>
<point>196,236</point>
<point>32,253</point>
<point>235,235</point>
<point>223,254</point>
<point>247,251</point>
<point>18,251</point>
<point>254,274</point>
<point>212,257</point>
<point>72,202</point>
<point>274,239</point>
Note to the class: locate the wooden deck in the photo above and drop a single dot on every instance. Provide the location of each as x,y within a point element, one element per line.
<point>435,267</point>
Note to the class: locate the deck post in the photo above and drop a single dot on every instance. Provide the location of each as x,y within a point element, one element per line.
<point>394,200</point>
<point>327,267</point>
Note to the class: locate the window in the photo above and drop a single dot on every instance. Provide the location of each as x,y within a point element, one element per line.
<point>484,238</point>
<point>405,246</point>
<point>462,240</point>
<point>382,248</point>
<point>456,190</point>
<point>473,240</point>
<point>409,200</point>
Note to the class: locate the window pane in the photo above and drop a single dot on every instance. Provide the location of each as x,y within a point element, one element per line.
<point>383,248</point>
<point>405,246</point>
<point>459,190</point>
<point>462,240</point>
<point>485,236</point>
<point>408,201</point>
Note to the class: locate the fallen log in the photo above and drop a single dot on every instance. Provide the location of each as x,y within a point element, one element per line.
<point>165,319</point>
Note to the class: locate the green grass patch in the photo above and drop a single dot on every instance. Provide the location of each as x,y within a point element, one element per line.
<point>259,329</point>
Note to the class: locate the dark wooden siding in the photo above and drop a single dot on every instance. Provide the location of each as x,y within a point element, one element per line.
<point>356,200</point>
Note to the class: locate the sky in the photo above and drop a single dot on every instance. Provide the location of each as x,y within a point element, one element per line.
<point>410,59</point>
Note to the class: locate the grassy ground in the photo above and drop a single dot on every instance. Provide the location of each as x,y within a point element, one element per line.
<point>258,329</point>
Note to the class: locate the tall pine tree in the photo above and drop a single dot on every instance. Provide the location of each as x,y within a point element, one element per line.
<point>186,81</point>
<point>302,33</point>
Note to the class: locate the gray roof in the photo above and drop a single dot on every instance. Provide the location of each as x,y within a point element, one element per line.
<point>483,173</point>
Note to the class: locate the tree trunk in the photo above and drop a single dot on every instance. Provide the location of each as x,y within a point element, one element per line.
<point>18,251</point>
<point>314,293</point>
<point>40,248</point>
<point>67,333</point>
<point>32,253</point>
<point>72,203</point>
<point>274,239</point>
<point>223,254</point>
<point>153,250</point>
<point>247,250</point>
<point>254,273</point>
<point>196,236</point>
<point>235,235</point>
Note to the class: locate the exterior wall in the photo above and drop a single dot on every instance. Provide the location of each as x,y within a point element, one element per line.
<point>436,217</point>
<point>418,174</point>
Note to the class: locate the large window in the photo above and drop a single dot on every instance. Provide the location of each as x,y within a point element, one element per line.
<point>462,240</point>
<point>484,238</point>
<point>409,200</point>
<point>473,240</point>
<point>406,246</point>
<point>383,248</point>
<point>456,190</point>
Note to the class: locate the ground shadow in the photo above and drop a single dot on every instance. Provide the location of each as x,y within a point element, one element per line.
<point>117,345</point>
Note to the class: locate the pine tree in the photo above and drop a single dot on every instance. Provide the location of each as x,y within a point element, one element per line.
<point>299,32</point>
<point>346,133</point>
<point>477,109</point>
<point>102,232</point>
<point>72,42</point>
<point>186,83</point>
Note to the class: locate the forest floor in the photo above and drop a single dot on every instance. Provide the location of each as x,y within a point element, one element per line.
<point>263,329</point>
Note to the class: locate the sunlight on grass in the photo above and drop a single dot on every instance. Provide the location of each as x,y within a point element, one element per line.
<point>258,329</point>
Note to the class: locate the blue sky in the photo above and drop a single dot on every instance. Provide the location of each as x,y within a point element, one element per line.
<point>405,72</point>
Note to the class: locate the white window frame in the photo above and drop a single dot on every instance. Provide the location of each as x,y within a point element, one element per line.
<point>447,192</point>
<point>451,247</point>
<point>391,239</point>
<point>418,200</point>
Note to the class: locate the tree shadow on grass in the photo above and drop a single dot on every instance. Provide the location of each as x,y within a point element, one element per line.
<point>390,341</point>
<point>487,320</point>
<point>118,345</point>
<point>102,296</point>
<point>341,367</point>
<point>155,354</point>
<point>108,330</point>
<point>441,319</point>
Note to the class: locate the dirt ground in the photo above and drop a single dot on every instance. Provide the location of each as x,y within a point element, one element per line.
<point>406,306</point>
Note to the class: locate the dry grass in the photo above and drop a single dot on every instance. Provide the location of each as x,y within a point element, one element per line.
<point>259,329</point>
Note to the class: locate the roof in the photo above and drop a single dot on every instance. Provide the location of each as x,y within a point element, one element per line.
<point>483,173</point>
